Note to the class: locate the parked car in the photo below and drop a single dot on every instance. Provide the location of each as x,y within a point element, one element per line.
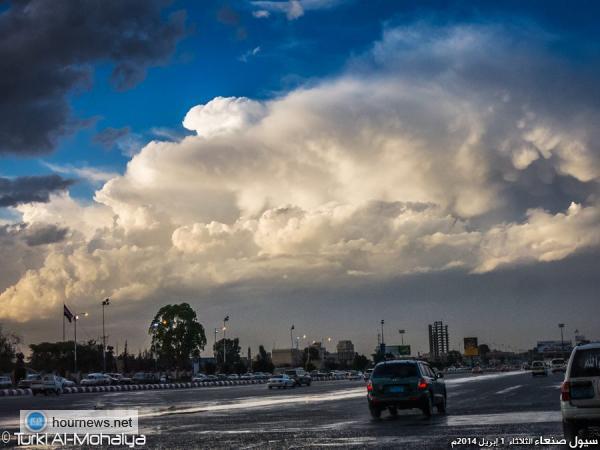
<point>300,376</point>
<point>143,378</point>
<point>199,378</point>
<point>66,382</point>
<point>367,375</point>
<point>539,368</point>
<point>476,370</point>
<point>5,382</point>
<point>281,382</point>
<point>580,392</point>
<point>233,377</point>
<point>558,365</point>
<point>47,384</point>
<point>212,378</point>
<point>96,379</point>
<point>405,384</point>
<point>117,378</point>
<point>25,383</point>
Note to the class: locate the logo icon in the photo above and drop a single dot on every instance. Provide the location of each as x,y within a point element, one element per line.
<point>35,421</point>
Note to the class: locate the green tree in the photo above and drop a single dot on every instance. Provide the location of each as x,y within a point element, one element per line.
<point>232,353</point>
<point>59,356</point>
<point>176,335</point>
<point>484,349</point>
<point>263,362</point>
<point>360,362</point>
<point>8,350</point>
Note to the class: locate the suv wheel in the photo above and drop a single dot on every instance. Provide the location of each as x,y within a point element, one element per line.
<point>375,412</point>
<point>570,430</point>
<point>441,407</point>
<point>428,407</point>
<point>393,411</point>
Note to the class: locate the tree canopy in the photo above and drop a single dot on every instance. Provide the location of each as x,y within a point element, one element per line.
<point>176,335</point>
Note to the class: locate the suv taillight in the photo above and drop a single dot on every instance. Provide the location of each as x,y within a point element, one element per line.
<point>422,384</point>
<point>369,386</point>
<point>565,391</point>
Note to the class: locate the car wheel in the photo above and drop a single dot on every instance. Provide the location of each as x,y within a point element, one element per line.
<point>570,430</point>
<point>375,412</point>
<point>441,407</point>
<point>270,387</point>
<point>393,411</point>
<point>428,407</point>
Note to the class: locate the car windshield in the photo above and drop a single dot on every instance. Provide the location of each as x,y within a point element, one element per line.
<point>586,363</point>
<point>395,371</point>
<point>538,364</point>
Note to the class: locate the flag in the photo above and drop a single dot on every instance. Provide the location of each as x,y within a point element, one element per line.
<point>293,327</point>
<point>68,314</point>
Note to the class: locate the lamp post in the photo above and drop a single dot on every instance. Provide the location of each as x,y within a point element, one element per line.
<point>562,340</point>
<point>215,346</point>
<point>76,318</point>
<point>225,320</point>
<point>105,303</point>
<point>402,335</point>
<point>292,328</point>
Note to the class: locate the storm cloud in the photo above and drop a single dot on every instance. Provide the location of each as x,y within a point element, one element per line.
<point>16,191</point>
<point>41,68</point>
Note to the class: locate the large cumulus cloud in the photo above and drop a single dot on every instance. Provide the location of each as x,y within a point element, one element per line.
<point>409,162</point>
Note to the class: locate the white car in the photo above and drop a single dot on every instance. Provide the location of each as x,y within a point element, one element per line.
<point>65,382</point>
<point>96,379</point>
<point>200,378</point>
<point>281,382</point>
<point>5,382</point>
<point>580,392</point>
<point>558,365</point>
<point>46,385</point>
<point>539,368</point>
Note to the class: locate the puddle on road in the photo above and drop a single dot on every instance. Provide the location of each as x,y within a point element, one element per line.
<point>263,402</point>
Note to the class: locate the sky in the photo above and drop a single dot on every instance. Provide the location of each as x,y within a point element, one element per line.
<point>321,163</point>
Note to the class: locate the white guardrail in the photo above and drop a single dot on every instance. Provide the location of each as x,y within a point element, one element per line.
<point>149,387</point>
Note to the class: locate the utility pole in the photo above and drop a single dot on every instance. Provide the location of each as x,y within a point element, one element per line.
<point>402,335</point>
<point>562,340</point>
<point>215,346</point>
<point>105,303</point>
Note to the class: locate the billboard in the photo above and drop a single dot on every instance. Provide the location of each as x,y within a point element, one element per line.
<point>471,347</point>
<point>398,350</point>
<point>553,346</point>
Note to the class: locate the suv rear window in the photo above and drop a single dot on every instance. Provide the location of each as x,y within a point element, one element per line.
<point>396,371</point>
<point>586,363</point>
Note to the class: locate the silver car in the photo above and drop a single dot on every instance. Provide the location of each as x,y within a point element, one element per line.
<point>580,392</point>
<point>281,382</point>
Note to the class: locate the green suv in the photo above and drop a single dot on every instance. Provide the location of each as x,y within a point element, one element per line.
<point>405,384</point>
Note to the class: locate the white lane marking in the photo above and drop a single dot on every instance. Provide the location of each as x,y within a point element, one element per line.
<point>508,389</point>
<point>504,418</point>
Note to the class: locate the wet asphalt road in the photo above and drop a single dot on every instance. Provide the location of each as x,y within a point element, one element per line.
<point>332,413</point>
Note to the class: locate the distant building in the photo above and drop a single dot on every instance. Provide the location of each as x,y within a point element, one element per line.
<point>345,352</point>
<point>439,340</point>
<point>290,357</point>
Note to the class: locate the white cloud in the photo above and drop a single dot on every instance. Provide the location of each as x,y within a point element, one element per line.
<point>91,174</point>
<point>293,9</point>
<point>223,115</point>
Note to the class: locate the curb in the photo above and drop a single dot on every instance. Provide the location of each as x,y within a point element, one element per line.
<point>149,387</point>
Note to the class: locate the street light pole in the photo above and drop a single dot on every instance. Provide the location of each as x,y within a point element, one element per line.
<point>226,319</point>
<point>215,346</point>
<point>402,335</point>
<point>105,303</point>
<point>382,339</point>
<point>292,335</point>
<point>76,318</point>
<point>562,340</point>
